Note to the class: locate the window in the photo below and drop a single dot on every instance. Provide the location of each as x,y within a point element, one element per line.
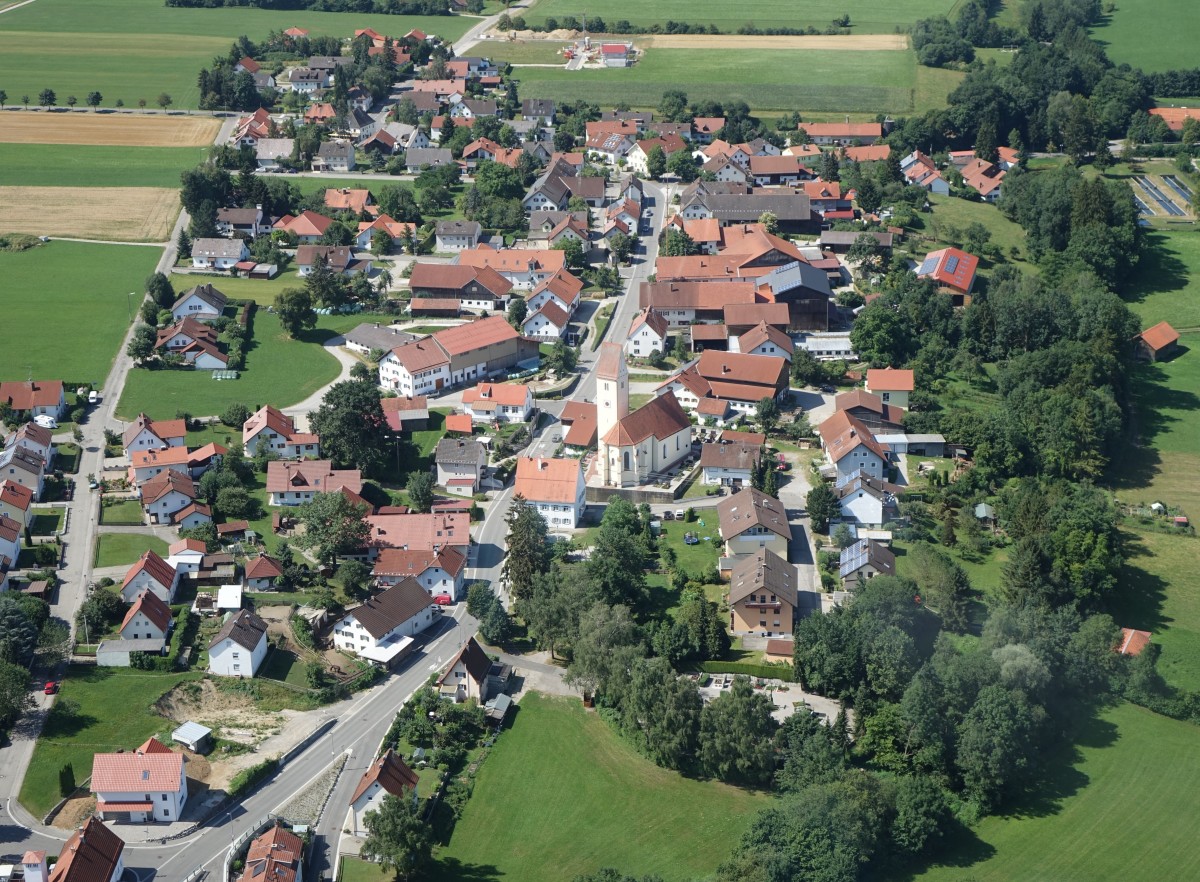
<point>237,667</point>
<point>164,797</point>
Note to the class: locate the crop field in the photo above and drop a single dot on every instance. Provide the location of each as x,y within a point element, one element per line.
<point>866,16</point>
<point>522,52</point>
<point>105,129</point>
<point>75,46</point>
<point>50,292</point>
<point>123,214</point>
<point>766,79</point>
<point>1135,34</point>
<point>62,165</point>
<point>1118,805</point>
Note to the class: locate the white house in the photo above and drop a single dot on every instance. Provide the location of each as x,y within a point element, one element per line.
<point>728,464</point>
<point>203,302</point>
<point>295,483</point>
<point>147,434</point>
<point>185,555</point>
<point>648,333</point>
<point>460,464</point>
<point>150,573</point>
<point>261,573</point>
<point>149,618</point>
<point>555,487</point>
<point>865,500</point>
<point>457,235</point>
<point>548,323</point>
<point>16,502</point>
<point>851,448</point>
<point>387,775</point>
<point>439,571</point>
<point>764,339</point>
<point>275,429</point>
<point>239,647</point>
<point>218,254</point>
<point>418,368</point>
<point>382,629</point>
<point>93,853</point>
<point>166,495</point>
<point>141,786</point>
<point>11,532</point>
<point>499,403</point>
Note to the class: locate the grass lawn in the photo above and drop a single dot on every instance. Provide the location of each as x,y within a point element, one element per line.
<point>66,457</point>
<point>75,46</point>
<point>46,520</point>
<point>115,711</point>
<point>286,666</point>
<point>67,165</point>
<point>1134,34</point>
<point>121,549</point>
<point>949,211</point>
<point>68,284</point>
<point>698,559</point>
<point>985,575</point>
<point>261,291</point>
<point>866,17</point>
<point>1166,286</point>
<point>357,870</point>
<point>766,79</point>
<point>1125,789</point>
<point>127,512</point>
<point>539,52</point>
<point>587,800</point>
<point>279,371</point>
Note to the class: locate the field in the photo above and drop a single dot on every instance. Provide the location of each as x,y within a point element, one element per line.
<point>108,130</point>
<point>261,291</point>
<point>279,371</point>
<point>128,512</point>
<point>532,52</point>
<point>1134,34</point>
<point>75,46</point>
<point>562,795</point>
<point>767,79</point>
<point>1166,286</point>
<point>119,214</point>
<point>63,285</point>
<point>1118,805</point>
<point>123,549</point>
<point>950,211</point>
<point>865,16</point>
<point>94,726</point>
<point>60,165</point>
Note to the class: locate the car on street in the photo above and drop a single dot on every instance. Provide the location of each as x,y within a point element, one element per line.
<point>828,390</point>
<point>93,397</point>
<point>51,687</point>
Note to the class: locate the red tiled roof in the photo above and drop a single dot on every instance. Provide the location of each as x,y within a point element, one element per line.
<point>1176,116</point>
<point>476,335</point>
<point>694,294</point>
<point>890,380</point>
<point>16,495</point>
<point>317,475</point>
<point>420,531</point>
<point>768,371</point>
<point>841,434</point>
<point>165,482</point>
<point>872,153</point>
<point>154,609</point>
<point>154,566</point>
<point>1133,642</point>
<point>506,394</point>
<point>548,480</point>
<point>137,772</point>
<point>274,856</point>
<point>90,855</point>
<point>413,562</point>
<point>263,567</point>
<point>514,260</point>
<point>460,422</point>
<point>1160,336</point>
<point>31,394</point>
<point>953,268</point>
<point>756,438</point>
<point>660,417</point>
<point>390,772</point>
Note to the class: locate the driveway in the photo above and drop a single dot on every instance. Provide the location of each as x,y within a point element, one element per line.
<point>299,412</point>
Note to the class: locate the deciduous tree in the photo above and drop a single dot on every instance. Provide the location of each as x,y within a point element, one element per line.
<point>333,525</point>
<point>398,838</point>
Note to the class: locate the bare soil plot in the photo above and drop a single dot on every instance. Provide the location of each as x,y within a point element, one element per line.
<point>112,130</point>
<point>122,214</point>
<point>843,43</point>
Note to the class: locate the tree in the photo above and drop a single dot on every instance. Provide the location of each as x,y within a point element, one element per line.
<point>398,838</point>
<point>663,712</point>
<point>562,358</point>
<point>18,634</point>
<point>528,554</point>
<point>47,98</point>
<point>234,503</point>
<point>93,99</point>
<point>235,415</point>
<point>823,506</point>
<point>3,98</point>
<point>621,246</point>
<point>141,344</point>
<point>294,307</point>
<point>736,735</point>
<point>677,243</point>
<point>995,743</point>
<point>160,289</point>
<point>573,249</point>
<point>420,491</point>
<point>15,697</point>
<point>184,243</point>
<point>656,162</point>
<point>829,166</point>
<point>355,577</point>
<point>72,101</point>
<point>333,525</point>
<point>767,413</point>
<point>609,644</point>
<point>770,222</point>
<point>163,100</point>
<point>683,165</point>
<point>352,427</point>
<point>673,106</point>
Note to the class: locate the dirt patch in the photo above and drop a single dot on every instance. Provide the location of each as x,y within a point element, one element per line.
<point>124,214</point>
<point>842,43</point>
<point>231,715</point>
<point>112,130</point>
<point>74,812</point>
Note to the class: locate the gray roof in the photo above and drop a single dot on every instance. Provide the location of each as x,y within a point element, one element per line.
<point>480,106</point>
<point>419,156</point>
<point>537,107</point>
<point>229,248</point>
<point>459,228</point>
<point>153,644</point>
<point>458,451</point>
<point>864,552</point>
<point>763,570</point>
<point>749,207</point>
<point>336,150</point>
<point>328,62</point>
<point>374,336</point>
<point>306,75</point>
<point>273,148</point>
<point>848,237</point>
<point>207,293</point>
<point>392,607</point>
<point>190,732</point>
<point>244,628</point>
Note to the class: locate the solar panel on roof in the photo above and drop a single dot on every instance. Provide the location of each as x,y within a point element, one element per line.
<point>951,264</point>
<point>928,265</point>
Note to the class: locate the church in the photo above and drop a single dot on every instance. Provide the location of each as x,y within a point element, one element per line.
<point>635,448</point>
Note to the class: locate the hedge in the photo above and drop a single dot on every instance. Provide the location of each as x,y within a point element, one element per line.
<point>779,671</point>
<point>248,777</point>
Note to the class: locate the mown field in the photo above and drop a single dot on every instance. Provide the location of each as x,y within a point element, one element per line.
<point>866,16</point>
<point>123,549</point>
<point>562,795</point>
<point>1151,34</point>
<point>279,371</point>
<point>65,308</point>
<point>88,128</point>
<point>766,79</point>
<point>62,165</point>
<point>75,46</point>
<point>109,214</point>
<point>1118,805</point>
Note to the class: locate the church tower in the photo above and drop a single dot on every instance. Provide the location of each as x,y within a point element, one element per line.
<point>612,401</point>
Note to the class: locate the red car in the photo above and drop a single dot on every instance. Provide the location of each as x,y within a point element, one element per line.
<point>51,688</point>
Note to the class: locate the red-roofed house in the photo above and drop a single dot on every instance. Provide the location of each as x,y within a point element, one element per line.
<point>846,134</point>
<point>851,448</point>
<point>386,775</point>
<point>892,385</point>
<point>149,618</point>
<point>953,270</point>
<point>92,854</point>
<point>439,571</point>
<point>1156,343</point>
<point>555,488</point>
<point>274,856</point>
<point>616,54</point>
<point>277,431</point>
<point>16,502</point>
<point>499,403</point>
<point>150,573</point>
<point>1132,642</point>
<point>139,786</point>
<point>295,483</point>
<point>308,226</point>
<point>35,397</point>
<point>647,334</point>
<point>459,424</point>
<point>261,573</point>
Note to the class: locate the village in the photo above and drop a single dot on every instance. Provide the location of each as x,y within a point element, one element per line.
<point>659,416</point>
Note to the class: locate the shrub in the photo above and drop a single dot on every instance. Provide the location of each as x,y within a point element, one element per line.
<point>244,780</point>
<point>779,671</point>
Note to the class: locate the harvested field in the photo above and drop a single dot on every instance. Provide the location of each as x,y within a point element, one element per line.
<point>840,43</point>
<point>122,214</point>
<point>111,130</point>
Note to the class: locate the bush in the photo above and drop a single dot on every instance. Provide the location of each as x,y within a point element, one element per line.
<point>778,671</point>
<point>244,780</point>
<point>235,415</point>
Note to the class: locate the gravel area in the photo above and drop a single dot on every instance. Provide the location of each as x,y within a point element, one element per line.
<point>307,805</point>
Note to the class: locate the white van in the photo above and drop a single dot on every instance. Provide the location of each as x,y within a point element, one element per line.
<point>46,421</point>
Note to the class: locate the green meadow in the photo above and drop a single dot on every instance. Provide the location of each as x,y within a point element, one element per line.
<point>65,165</point>
<point>1151,34</point>
<point>131,49</point>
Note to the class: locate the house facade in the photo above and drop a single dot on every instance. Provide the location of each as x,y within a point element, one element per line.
<point>555,487</point>
<point>142,786</point>
<point>239,647</point>
<point>762,595</point>
<point>751,520</point>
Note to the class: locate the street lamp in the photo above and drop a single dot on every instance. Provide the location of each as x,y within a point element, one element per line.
<point>129,306</point>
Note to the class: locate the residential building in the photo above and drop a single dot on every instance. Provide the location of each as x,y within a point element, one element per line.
<point>561,289</point>
<point>728,464</point>
<point>457,235</point>
<point>763,595</point>
<point>148,618</point>
<point>954,272</point>
<point>93,853</point>
<point>261,573</point>
<point>439,571</point>
<point>10,541</point>
<point>535,109</point>
<point>846,134</point>
<point>742,317</point>
<point>295,483</point>
<point>274,856</point>
<point>417,159</point>
<point>394,231</point>
<point>203,302</point>
<point>16,503</point>
<point>740,379</point>
<point>381,630</point>
<point>892,385</point>
<point>34,439</point>
<point>150,573</point>
<point>555,487</point>
<point>239,647</point>
<point>617,54</point>
<point>764,339</point>
<point>186,555</point>
<point>865,560</point>
<point>141,786</point>
<point>478,288</point>
<point>851,448</point>
<point>453,356</point>
<point>168,495</point>
<point>308,226</point>
<point>334,156</point>
<point>339,258</point>
<point>683,303</point>
<point>420,532</point>
<point>549,322</point>
<point>355,200</point>
<point>472,675</point>
<point>647,334</point>
<point>271,428</point>
<point>750,520</point>
<point>405,414</point>
<point>1157,343</point>
<point>867,501</point>
<point>387,775</point>
<point>460,464</point>
<point>268,152</point>
<point>525,268</point>
<point>219,254</point>
<point>499,403</point>
<point>870,410</point>
<point>373,335</point>
<point>34,398</point>
<point>146,464</point>
<point>21,466</point>
<point>416,368</point>
<point>193,341</point>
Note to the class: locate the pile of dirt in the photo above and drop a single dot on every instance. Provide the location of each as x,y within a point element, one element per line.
<point>231,715</point>
<point>74,812</point>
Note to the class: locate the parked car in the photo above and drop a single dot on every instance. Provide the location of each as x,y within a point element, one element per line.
<point>46,421</point>
<point>668,515</point>
<point>93,397</point>
<point>51,687</point>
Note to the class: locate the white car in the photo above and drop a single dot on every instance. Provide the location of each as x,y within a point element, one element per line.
<point>93,397</point>
<point>46,421</point>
